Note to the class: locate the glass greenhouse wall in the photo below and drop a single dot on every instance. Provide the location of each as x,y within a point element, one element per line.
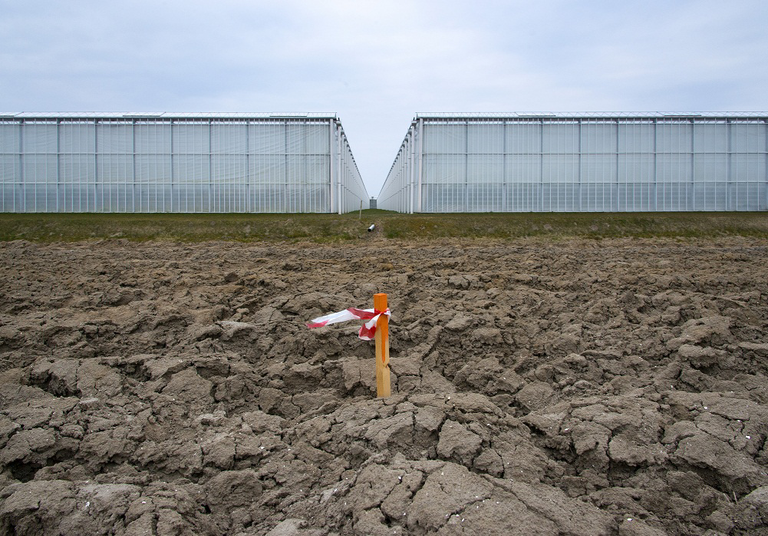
<point>580,162</point>
<point>177,163</point>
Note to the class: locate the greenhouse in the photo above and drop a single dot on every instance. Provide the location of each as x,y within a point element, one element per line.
<point>573,162</point>
<point>159,162</point>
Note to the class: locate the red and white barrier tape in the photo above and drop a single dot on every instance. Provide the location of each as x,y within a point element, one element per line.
<point>367,331</point>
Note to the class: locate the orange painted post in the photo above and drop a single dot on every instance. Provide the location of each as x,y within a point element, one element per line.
<point>382,347</point>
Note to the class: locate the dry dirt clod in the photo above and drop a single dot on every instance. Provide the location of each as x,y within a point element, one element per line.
<point>612,388</point>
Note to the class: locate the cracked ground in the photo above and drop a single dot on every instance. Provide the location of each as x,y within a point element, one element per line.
<point>572,387</point>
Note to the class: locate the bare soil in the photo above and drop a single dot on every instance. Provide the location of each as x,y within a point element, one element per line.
<point>580,387</point>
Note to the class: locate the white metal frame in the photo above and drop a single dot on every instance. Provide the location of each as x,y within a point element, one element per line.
<point>573,162</point>
<point>177,162</point>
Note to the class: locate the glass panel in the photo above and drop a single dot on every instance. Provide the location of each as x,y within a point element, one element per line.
<point>485,169</point>
<point>559,197</point>
<point>597,197</point>
<point>709,196</point>
<point>114,138</point>
<point>749,167</point>
<point>673,168</point>
<point>9,169</point>
<point>40,168</point>
<point>486,138</point>
<point>444,169</point>
<point>267,138</point>
<point>191,138</point>
<point>634,197</point>
<point>152,138</point>
<point>9,138</point>
<point>523,197</point>
<point>39,138</point>
<point>153,169</point>
<point>317,138</point>
<point>78,169</point>
<point>710,167</point>
<point>448,138</point>
<point>598,168</point>
<point>598,137</point>
<point>710,138</point>
<point>484,197</point>
<point>317,170</point>
<point>229,169</point>
<point>523,169</point>
<point>561,138</point>
<point>523,138</point>
<point>636,168</point>
<point>229,138</point>
<point>296,142</point>
<point>748,196</point>
<point>748,137</point>
<point>673,196</point>
<point>636,138</point>
<point>268,169</point>
<point>191,168</point>
<point>674,137</point>
<point>77,138</point>
<point>560,168</point>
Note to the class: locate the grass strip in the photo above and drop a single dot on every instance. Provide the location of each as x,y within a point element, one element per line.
<point>329,228</point>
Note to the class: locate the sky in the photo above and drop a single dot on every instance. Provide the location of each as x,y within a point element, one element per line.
<point>376,63</point>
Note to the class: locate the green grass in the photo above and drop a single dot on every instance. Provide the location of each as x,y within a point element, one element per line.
<point>581,225</point>
<point>330,228</point>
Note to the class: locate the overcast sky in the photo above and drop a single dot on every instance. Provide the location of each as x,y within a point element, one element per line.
<point>376,63</point>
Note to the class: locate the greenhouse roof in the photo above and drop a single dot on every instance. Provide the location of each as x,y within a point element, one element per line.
<point>168,115</point>
<point>587,115</point>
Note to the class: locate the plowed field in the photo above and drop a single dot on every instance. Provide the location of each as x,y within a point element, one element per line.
<point>574,387</point>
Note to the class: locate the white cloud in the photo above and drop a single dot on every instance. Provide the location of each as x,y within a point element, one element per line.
<point>376,62</point>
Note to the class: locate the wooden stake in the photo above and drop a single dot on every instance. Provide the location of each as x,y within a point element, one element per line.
<point>382,347</point>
